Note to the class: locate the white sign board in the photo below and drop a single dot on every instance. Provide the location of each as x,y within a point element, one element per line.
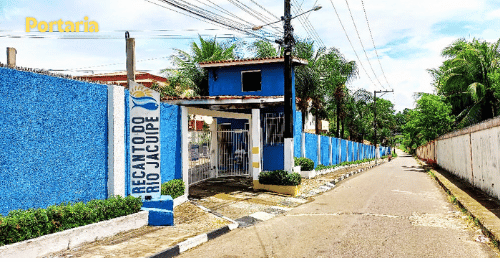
<point>145,175</point>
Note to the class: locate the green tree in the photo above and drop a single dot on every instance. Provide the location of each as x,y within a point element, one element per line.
<point>315,83</point>
<point>386,122</point>
<point>263,49</point>
<point>468,79</point>
<point>188,74</point>
<point>430,119</point>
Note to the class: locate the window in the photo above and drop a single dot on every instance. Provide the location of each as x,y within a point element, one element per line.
<point>251,81</point>
<point>274,126</point>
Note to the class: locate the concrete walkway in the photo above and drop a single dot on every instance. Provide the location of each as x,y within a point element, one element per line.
<point>394,210</point>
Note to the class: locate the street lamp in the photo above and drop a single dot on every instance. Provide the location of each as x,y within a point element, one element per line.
<point>288,42</point>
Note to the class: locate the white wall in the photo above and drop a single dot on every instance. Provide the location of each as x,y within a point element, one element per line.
<point>473,155</point>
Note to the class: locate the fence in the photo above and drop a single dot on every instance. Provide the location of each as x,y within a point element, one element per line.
<point>471,154</point>
<point>327,151</point>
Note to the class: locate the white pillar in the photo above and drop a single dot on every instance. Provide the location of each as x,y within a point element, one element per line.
<point>185,149</point>
<point>330,151</point>
<point>288,155</point>
<point>340,150</point>
<point>303,144</point>
<point>116,141</point>
<point>256,150</point>
<point>319,149</point>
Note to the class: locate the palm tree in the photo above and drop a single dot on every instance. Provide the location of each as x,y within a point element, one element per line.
<point>469,80</point>
<point>188,74</point>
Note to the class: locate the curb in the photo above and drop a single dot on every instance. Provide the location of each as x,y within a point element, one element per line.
<point>245,221</point>
<point>488,222</point>
<point>193,242</point>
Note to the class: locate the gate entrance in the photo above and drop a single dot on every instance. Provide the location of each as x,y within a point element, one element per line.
<point>232,153</point>
<point>229,157</point>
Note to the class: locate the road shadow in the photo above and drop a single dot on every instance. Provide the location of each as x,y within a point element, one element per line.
<point>490,203</point>
<point>227,185</point>
<point>416,168</point>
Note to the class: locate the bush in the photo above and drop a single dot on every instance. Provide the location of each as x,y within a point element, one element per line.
<point>280,178</point>
<point>20,225</point>
<point>356,162</point>
<point>306,164</point>
<point>174,188</point>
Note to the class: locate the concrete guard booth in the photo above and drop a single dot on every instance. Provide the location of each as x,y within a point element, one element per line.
<point>245,108</point>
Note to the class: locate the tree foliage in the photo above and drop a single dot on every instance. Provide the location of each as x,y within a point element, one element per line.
<point>188,74</point>
<point>469,80</point>
<point>430,119</point>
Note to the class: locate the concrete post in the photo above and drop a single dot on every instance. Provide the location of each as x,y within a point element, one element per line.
<point>319,149</point>
<point>303,144</point>
<point>256,150</point>
<point>11,56</point>
<point>330,151</point>
<point>288,155</point>
<point>130,50</point>
<point>214,148</point>
<point>185,149</point>
<point>116,141</point>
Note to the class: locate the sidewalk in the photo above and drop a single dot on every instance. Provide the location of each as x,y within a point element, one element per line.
<point>215,207</point>
<point>485,210</point>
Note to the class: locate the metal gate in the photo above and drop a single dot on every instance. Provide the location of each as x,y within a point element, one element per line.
<point>231,155</point>
<point>200,167</point>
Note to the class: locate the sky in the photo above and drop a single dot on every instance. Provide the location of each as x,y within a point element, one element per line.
<point>394,42</point>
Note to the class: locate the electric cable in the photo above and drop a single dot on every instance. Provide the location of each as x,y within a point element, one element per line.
<point>361,42</point>
<point>373,42</point>
<point>354,50</point>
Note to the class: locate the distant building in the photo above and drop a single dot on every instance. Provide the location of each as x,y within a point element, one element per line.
<point>120,78</point>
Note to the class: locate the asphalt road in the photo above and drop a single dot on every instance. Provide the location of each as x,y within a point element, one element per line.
<point>394,210</point>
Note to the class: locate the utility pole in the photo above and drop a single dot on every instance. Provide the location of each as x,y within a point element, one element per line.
<point>375,119</point>
<point>130,50</point>
<point>11,57</point>
<point>288,41</point>
<point>288,45</point>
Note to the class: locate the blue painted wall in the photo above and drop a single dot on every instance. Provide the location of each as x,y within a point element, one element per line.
<point>312,147</point>
<point>335,151</point>
<point>273,157</point>
<point>297,134</point>
<point>171,160</point>
<point>229,80</point>
<point>325,150</point>
<point>54,140</point>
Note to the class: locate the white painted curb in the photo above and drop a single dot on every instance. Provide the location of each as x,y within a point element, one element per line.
<point>41,246</point>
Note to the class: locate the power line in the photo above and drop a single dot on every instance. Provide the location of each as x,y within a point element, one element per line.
<point>361,42</point>
<point>307,25</point>
<point>253,13</point>
<point>219,19</point>
<point>373,42</point>
<point>257,4</point>
<point>345,32</point>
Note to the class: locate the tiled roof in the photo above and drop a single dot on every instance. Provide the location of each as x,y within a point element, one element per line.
<point>251,61</point>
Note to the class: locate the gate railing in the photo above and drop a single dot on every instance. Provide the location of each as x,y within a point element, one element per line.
<point>231,156</point>
<point>232,153</point>
<point>199,156</point>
